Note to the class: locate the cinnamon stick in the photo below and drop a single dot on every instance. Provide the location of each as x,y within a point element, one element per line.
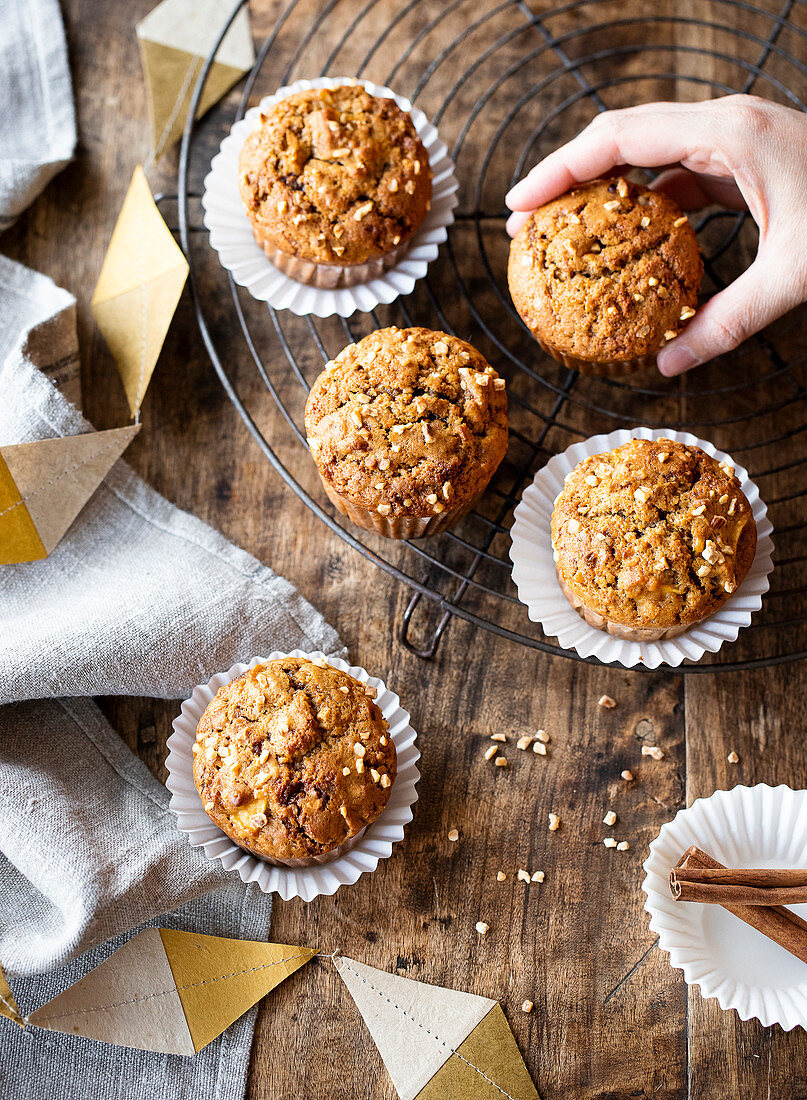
<point>777,923</point>
<point>739,886</point>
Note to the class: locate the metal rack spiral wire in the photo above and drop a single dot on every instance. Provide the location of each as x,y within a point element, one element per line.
<point>514,81</point>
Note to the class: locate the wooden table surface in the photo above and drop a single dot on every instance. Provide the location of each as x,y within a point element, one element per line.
<point>611,1018</point>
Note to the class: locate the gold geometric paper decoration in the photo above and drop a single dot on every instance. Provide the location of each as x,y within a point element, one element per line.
<point>170,992</point>
<point>438,1044</point>
<point>175,39</point>
<point>138,289</point>
<point>45,484</point>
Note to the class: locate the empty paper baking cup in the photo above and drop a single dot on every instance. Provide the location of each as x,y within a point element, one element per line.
<point>332,870</point>
<point>741,968</point>
<point>536,578</point>
<point>232,237</point>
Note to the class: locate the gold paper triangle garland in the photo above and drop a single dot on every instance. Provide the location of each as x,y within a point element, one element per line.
<point>138,289</point>
<point>438,1044</point>
<point>170,992</point>
<point>45,484</point>
<point>175,39</point>
<point>8,1006</point>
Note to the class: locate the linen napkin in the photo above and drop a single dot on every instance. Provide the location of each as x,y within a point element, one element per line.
<point>37,121</point>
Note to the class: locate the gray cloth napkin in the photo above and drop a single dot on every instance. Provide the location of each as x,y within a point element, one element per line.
<point>37,122</point>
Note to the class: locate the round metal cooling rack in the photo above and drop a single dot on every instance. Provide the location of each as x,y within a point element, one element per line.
<point>513,81</point>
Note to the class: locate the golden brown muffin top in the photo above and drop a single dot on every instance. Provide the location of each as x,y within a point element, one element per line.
<point>609,271</point>
<point>335,175</point>
<point>653,533</point>
<point>293,758</point>
<point>408,422</point>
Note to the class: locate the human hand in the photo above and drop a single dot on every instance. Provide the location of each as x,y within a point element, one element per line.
<point>741,152</point>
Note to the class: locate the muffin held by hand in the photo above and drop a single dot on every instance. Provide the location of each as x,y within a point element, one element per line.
<point>335,183</point>
<point>406,428</point>
<point>651,538</point>
<point>293,758</point>
<point>605,275</point>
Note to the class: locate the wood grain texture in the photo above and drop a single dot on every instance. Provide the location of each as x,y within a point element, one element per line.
<point>611,1019</point>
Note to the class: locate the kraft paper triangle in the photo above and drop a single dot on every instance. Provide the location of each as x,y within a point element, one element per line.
<point>45,484</point>
<point>8,1006</point>
<point>438,1044</point>
<point>170,992</point>
<point>175,39</point>
<point>138,289</point>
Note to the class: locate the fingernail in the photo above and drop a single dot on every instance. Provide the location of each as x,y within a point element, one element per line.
<point>510,225</point>
<point>513,193</point>
<point>676,360</point>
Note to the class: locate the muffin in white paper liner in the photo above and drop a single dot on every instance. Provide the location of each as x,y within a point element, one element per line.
<point>757,826</point>
<point>231,233</point>
<point>330,871</point>
<point>537,582</point>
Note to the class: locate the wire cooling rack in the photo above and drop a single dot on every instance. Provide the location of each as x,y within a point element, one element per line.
<point>504,83</point>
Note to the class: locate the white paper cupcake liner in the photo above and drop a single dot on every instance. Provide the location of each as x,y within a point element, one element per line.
<point>231,233</point>
<point>536,579</point>
<point>757,826</point>
<point>359,855</point>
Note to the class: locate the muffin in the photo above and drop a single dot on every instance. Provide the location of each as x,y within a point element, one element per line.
<point>605,275</point>
<point>651,538</point>
<point>293,758</point>
<point>335,183</point>
<point>406,428</point>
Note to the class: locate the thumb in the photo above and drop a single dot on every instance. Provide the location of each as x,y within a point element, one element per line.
<point>765,291</point>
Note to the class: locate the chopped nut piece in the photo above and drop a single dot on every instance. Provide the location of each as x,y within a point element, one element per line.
<point>375,774</point>
<point>680,221</point>
<point>453,835</point>
<point>210,806</point>
<point>393,186</point>
<point>610,818</point>
<point>361,211</point>
<point>663,456</point>
<point>359,749</point>
<point>554,823</point>
<point>539,748</point>
<point>573,526</point>
<point>384,509</point>
<point>523,876</point>
<point>542,735</point>
<point>623,846</point>
<point>699,510</point>
<point>498,737</point>
<point>490,752</point>
<point>345,771</point>
<point>526,1006</point>
<point>733,758</point>
<point>537,876</point>
<point>500,876</point>
<point>652,281</point>
<point>609,842</point>
<point>669,334</point>
<point>627,776</point>
<point>687,312</point>
<point>592,480</point>
<point>432,498</point>
<point>606,701</point>
<point>482,928</point>
<point>654,751</point>
<point>385,780</point>
<point>498,383</point>
<point>500,761</point>
<point>644,222</point>
<point>524,742</point>
<point>441,347</point>
<point>613,204</point>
